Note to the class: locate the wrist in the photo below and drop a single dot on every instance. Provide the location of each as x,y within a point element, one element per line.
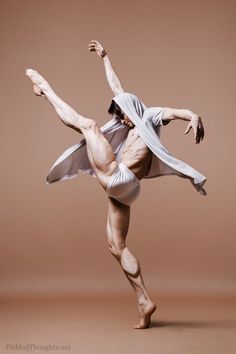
<point>195,117</point>
<point>104,53</point>
<point>191,115</point>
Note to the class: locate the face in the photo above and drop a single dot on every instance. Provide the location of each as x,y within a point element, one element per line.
<point>125,120</point>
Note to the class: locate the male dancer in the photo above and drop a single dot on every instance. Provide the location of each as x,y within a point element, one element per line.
<point>120,179</point>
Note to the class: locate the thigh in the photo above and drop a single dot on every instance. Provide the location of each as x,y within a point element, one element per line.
<point>100,153</point>
<point>118,219</point>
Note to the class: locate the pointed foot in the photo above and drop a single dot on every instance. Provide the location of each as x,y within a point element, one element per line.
<point>40,85</point>
<point>146,311</point>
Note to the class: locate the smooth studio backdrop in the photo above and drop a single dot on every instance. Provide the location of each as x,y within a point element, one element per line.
<point>169,53</point>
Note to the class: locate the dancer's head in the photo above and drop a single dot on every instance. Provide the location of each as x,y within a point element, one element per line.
<point>115,109</point>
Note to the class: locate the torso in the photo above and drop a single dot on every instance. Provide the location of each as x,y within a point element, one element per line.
<point>136,155</point>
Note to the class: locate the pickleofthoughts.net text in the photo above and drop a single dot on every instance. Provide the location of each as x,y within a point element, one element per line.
<point>41,347</point>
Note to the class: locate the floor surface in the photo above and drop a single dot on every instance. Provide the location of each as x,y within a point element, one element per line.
<point>103,324</point>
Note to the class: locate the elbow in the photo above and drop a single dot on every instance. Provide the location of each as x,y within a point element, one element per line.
<point>168,114</point>
<point>117,90</point>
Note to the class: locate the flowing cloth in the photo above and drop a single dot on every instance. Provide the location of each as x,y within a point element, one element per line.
<point>148,122</point>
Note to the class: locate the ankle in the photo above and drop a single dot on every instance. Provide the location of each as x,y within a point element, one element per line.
<point>143,300</point>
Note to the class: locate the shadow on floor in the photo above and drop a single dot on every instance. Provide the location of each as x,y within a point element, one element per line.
<point>196,324</point>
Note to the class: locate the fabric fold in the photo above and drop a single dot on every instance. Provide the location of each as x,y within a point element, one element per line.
<point>148,122</point>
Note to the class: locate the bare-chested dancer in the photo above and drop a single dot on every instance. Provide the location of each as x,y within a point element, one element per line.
<point>135,155</point>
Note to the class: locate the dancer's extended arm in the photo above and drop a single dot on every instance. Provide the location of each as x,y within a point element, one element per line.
<point>195,121</point>
<point>112,78</point>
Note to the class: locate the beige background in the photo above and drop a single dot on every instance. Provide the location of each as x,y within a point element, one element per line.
<point>169,53</point>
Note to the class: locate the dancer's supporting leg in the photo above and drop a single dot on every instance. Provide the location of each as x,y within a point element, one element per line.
<point>100,153</point>
<point>117,229</point>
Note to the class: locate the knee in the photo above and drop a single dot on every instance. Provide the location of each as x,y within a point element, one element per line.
<point>116,249</point>
<point>90,124</point>
<point>128,262</point>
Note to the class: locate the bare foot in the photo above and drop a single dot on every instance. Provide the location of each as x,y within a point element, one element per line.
<point>41,86</point>
<point>146,311</point>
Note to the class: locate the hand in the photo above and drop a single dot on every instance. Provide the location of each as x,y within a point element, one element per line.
<point>95,46</point>
<point>196,124</point>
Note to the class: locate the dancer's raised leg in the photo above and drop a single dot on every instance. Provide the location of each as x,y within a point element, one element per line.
<point>100,153</point>
<point>42,88</point>
<point>117,229</point>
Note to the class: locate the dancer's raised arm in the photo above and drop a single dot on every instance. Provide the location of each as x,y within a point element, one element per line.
<point>112,78</point>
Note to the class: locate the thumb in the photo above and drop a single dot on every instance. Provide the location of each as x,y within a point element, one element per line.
<point>188,129</point>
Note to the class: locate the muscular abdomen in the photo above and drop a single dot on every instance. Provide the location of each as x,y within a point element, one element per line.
<point>136,155</point>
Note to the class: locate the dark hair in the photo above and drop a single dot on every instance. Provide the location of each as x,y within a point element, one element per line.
<point>115,109</point>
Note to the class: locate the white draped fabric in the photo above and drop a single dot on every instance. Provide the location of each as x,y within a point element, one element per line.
<point>148,122</point>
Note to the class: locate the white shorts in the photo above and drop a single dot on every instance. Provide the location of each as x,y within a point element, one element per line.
<point>123,185</point>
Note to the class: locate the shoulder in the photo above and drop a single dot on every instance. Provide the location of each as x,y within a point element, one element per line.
<point>154,115</point>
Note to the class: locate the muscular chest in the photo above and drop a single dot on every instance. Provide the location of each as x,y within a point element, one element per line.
<point>132,137</point>
<point>134,142</point>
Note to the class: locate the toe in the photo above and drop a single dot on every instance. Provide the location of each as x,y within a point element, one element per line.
<point>137,326</point>
<point>29,72</point>
<point>141,325</point>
